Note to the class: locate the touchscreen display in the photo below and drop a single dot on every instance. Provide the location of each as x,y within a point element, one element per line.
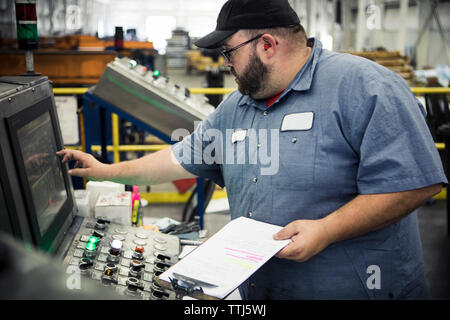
<point>43,169</point>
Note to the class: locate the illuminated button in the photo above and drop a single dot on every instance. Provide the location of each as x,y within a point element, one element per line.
<point>156,74</point>
<point>93,240</point>
<point>90,246</point>
<point>85,263</point>
<point>138,253</point>
<point>90,249</point>
<point>139,249</point>
<point>116,246</point>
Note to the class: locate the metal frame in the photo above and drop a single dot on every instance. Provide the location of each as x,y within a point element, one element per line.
<point>90,100</point>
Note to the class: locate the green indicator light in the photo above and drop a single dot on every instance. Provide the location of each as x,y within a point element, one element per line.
<point>156,73</point>
<point>90,246</point>
<point>93,240</point>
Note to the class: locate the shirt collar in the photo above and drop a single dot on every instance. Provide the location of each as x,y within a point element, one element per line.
<point>301,82</point>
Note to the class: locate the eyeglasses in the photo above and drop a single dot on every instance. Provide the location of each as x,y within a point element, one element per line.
<point>227,52</point>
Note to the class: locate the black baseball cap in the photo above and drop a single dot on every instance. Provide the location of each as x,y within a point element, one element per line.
<point>248,14</point>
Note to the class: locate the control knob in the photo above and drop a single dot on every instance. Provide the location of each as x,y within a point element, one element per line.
<point>85,263</point>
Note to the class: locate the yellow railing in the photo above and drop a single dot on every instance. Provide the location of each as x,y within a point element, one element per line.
<point>173,197</point>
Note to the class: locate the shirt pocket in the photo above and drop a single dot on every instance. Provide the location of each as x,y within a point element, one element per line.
<point>297,156</point>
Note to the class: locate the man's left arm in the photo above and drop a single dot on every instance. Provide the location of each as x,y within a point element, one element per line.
<point>363,214</point>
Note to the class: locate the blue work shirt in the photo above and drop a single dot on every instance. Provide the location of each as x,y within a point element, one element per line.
<point>346,126</point>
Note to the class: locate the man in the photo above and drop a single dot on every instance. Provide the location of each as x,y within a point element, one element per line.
<point>353,159</point>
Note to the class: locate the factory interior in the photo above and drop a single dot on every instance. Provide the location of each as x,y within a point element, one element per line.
<point>120,80</point>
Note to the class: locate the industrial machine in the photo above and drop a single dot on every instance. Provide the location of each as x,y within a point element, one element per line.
<point>150,97</point>
<point>125,258</point>
<point>37,203</point>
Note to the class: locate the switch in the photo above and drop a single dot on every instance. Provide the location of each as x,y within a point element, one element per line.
<point>138,253</point>
<point>90,250</point>
<point>98,234</point>
<point>136,268</point>
<point>132,64</point>
<point>133,285</point>
<point>101,224</point>
<point>116,247</point>
<point>85,264</point>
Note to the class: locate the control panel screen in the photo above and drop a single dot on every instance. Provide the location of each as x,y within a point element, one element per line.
<point>43,170</point>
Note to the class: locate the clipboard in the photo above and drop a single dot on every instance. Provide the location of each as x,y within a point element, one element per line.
<point>228,258</point>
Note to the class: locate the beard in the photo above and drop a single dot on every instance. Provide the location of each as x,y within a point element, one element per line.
<point>253,78</point>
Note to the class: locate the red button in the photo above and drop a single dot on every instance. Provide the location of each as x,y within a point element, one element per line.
<point>139,249</point>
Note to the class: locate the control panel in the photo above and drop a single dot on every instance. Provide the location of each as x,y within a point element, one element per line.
<point>151,97</point>
<point>126,259</point>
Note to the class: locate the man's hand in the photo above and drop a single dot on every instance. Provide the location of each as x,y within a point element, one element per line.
<point>309,237</point>
<point>363,214</point>
<point>86,165</point>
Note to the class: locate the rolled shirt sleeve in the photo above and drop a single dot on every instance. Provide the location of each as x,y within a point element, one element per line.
<point>396,149</point>
<point>200,152</point>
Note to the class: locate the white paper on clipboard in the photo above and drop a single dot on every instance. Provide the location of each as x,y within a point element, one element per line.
<point>229,257</point>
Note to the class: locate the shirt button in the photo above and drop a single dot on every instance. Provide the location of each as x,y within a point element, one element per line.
<point>294,140</point>
<point>259,145</point>
<point>252,285</point>
<point>266,113</point>
<point>250,214</point>
<point>255,180</point>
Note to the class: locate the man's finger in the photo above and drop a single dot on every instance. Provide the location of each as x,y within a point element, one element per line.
<point>287,252</point>
<point>79,172</point>
<point>66,156</point>
<point>286,233</point>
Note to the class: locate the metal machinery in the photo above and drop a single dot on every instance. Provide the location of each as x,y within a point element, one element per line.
<point>151,98</point>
